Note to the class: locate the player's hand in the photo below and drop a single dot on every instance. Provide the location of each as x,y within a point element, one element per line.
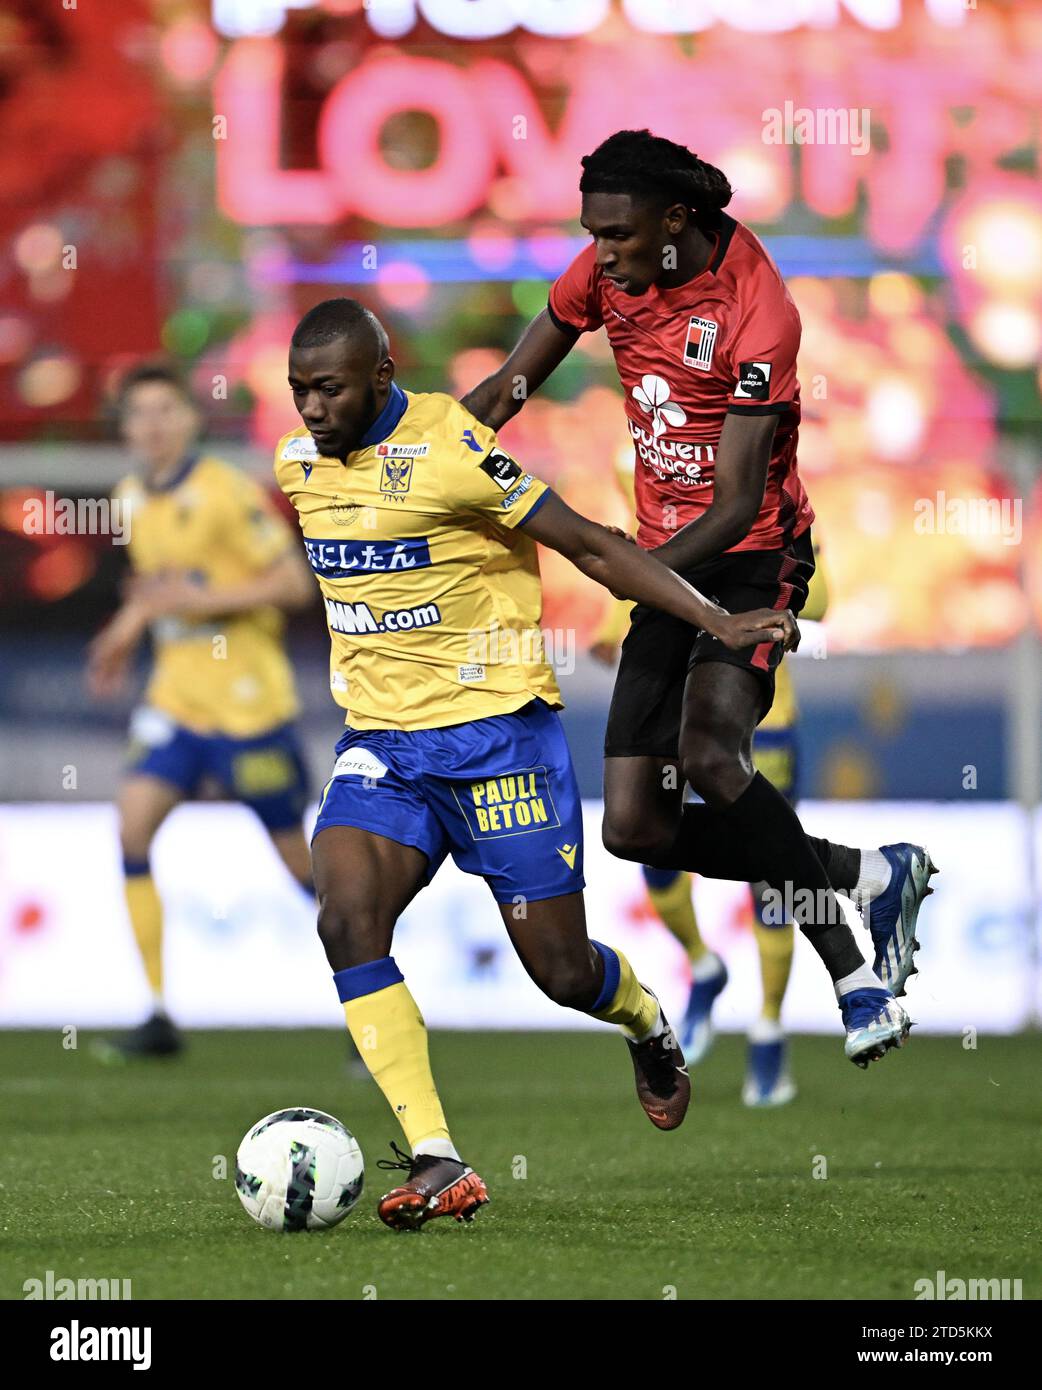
<point>604,653</point>
<point>171,595</point>
<point>738,630</point>
<point>106,670</point>
<point>109,654</point>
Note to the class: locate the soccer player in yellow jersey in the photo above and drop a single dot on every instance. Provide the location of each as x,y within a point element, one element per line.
<point>214,567</point>
<point>422,531</point>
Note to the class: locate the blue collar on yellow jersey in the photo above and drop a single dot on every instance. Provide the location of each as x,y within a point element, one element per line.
<point>177,478</point>
<point>387,421</point>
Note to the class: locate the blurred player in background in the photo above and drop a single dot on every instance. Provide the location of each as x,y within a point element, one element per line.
<point>768,1081</point>
<point>214,568</point>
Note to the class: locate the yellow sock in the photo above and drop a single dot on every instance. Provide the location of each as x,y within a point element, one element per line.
<point>775,945</point>
<point>677,910</point>
<point>146,918</point>
<point>623,1000</point>
<point>391,1038</point>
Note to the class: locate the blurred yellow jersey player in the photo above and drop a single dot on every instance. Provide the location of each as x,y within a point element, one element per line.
<point>214,565</point>
<point>776,754</point>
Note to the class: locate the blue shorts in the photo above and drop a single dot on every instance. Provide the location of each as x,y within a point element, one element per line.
<point>497,794</point>
<point>267,773</point>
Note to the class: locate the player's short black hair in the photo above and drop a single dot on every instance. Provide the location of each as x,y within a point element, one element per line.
<point>144,374</point>
<point>652,169</point>
<point>340,318</point>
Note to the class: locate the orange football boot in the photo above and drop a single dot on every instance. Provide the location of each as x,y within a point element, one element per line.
<point>435,1187</point>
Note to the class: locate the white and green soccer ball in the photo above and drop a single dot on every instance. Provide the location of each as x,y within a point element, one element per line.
<point>299,1170</point>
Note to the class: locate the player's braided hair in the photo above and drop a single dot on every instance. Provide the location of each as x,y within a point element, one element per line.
<point>653,169</point>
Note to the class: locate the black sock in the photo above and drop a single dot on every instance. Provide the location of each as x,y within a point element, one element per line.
<point>842,863</point>
<point>714,851</point>
<point>763,832</point>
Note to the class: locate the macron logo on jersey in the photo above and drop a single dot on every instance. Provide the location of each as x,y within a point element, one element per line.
<point>342,559</point>
<point>305,451</point>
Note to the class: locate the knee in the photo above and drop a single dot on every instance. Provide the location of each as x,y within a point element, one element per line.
<point>135,841</point>
<point>350,931</point>
<point>710,767</point>
<point>572,984</point>
<point>640,841</point>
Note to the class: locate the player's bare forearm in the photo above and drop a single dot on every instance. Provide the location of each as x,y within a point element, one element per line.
<point>739,479</point>
<point>491,402</point>
<point>635,574</point>
<point>703,539</point>
<point>501,395</point>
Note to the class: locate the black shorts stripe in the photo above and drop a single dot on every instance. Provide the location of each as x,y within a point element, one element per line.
<point>659,650</point>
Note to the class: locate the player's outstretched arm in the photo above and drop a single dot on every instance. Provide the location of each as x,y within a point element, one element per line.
<point>632,573</point>
<point>739,479</point>
<point>541,348</point>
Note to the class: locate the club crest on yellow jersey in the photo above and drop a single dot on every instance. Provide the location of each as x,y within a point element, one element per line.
<point>396,475</point>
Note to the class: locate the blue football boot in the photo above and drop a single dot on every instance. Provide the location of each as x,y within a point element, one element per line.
<point>875,1022</point>
<point>696,1029</point>
<point>767,1079</point>
<point>891,916</point>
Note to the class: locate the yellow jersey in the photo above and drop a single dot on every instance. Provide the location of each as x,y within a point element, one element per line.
<point>218,675</point>
<point>432,595</point>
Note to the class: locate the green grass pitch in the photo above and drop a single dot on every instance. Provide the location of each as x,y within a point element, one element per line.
<point>932,1163</point>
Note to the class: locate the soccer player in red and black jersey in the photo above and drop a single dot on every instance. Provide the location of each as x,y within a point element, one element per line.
<point>705,337</point>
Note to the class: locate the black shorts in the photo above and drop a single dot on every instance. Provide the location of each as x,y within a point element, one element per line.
<point>659,650</point>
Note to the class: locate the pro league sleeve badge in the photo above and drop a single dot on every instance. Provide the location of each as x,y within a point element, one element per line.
<point>754,381</point>
<point>502,469</point>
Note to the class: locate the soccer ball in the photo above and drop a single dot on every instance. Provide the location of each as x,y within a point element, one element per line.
<point>299,1170</point>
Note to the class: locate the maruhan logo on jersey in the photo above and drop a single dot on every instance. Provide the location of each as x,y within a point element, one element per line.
<point>402,451</point>
<point>354,619</point>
